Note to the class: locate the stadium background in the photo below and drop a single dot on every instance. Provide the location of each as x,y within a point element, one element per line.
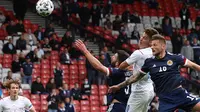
<point>99,30</point>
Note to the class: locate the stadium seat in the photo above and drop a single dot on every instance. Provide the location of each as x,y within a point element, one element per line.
<point>43,108</point>
<point>64,67</point>
<point>44,80</point>
<point>27,96</point>
<point>82,67</point>
<point>94,98</point>
<point>73,67</point>
<point>44,102</point>
<point>94,103</point>
<point>45,61</point>
<point>7,56</point>
<point>45,66</point>
<point>37,108</point>
<point>35,97</point>
<point>36,66</point>
<point>94,87</point>
<point>34,27</point>
<point>85,97</point>
<point>35,102</point>
<point>43,97</point>
<point>81,62</point>
<point>73,62</point>
<point>103,108</point>
<point>26,21</point>
<point>94,92</point>
<point>45,71</point>
<point>54,57</point>
<point>45,76</point>
<point>95,109</point>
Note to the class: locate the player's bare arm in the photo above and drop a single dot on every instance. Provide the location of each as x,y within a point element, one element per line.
<point>123,65</point>
<point>93,61</point>
<point>134,78</point>
<point>192,65</point>
<point>32,109</point>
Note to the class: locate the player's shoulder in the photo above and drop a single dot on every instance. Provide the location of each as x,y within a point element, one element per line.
<point>5,98</point>
<point>144,51</point>
<point>23,99</point>
<point>174,56</point>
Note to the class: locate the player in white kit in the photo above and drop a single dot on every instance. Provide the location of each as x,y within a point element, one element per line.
<point>14,102</point>
<point>142,91</point>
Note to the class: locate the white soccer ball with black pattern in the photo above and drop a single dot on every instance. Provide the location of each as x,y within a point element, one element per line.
<point>44,7</point>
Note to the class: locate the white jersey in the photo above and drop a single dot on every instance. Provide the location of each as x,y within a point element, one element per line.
<point>137,59</point>
<point>22,104</point>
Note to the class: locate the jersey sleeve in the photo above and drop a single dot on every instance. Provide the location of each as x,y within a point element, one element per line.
<point>115,72</point>
<point>136,55</point>
<point>181,60</point>
<point>145,68</point>
<point>28,104</point>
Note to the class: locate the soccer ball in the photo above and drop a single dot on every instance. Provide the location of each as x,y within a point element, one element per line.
<point>44,7</point>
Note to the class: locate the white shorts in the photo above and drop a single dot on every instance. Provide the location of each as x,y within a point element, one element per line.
<point>139,101</point>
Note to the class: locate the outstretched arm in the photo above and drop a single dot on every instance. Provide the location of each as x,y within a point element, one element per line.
<point>93,61</point>
<point>192,65</point>
<point>134,78</point>
<point>123,65</point>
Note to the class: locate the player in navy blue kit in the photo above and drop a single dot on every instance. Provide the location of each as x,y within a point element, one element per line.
<point>164,70</point>
<point>120,98</point>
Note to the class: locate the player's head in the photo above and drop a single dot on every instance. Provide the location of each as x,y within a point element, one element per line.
<point>158,44</point>
<point>61,104</point>
<point>145,40</point>
<point>13,88</point>
<point>119,57</point>
<point>67,100</point>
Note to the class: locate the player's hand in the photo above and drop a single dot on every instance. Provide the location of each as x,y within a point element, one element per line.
<point>113,89</point>
<point>80,45</point>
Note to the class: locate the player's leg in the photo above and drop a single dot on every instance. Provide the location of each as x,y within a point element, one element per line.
<point>139,101</point>
<point>116,107</point>
<point>166,106</point>
<point>169,102</point>
<point>186,101</point>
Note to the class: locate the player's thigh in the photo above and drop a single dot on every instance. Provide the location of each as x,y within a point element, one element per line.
<point>166,106</point>
<point>136,108</point>
<point>116,107</point>
<point>140,102</point>
<point>189,102</point>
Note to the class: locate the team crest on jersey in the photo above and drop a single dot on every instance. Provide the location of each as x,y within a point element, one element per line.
<point>169,62</point>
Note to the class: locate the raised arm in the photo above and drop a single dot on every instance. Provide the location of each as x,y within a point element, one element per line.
<point>123,65</point>
<point>134,78</point>
<point>192,65</point>
<point>93,61</point>
<point>135,56</point>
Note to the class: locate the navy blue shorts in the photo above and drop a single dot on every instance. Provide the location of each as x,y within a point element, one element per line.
<point>117,107</point>
<point>177,99</point>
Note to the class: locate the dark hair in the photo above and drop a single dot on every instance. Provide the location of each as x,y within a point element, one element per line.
<point>150,32</point>
<point>159,37</point>
<point>13,82</point>
<point>122,55</point>
<point>60,102</point>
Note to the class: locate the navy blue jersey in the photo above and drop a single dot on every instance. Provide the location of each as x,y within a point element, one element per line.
<point>165,72</point>
<point>117,76</point>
